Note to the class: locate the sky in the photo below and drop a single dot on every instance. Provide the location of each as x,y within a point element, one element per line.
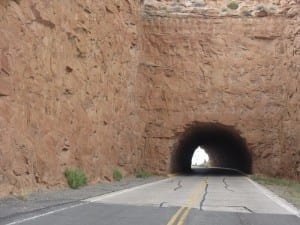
<point>199,156</point>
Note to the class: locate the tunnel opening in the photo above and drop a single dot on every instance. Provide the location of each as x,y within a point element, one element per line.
<point>223,144</point>
<point>200,158</point>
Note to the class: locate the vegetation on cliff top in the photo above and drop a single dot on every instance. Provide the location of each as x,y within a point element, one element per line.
<point>233,5</point>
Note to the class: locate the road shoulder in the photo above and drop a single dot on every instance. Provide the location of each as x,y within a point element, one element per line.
<point>14,207</point>
<point>276,197</point>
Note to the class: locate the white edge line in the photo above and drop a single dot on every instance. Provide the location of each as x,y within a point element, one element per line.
<point>109,195</point>
<point>46,214</point>
<point>87,201</point>
<point>277,199</point>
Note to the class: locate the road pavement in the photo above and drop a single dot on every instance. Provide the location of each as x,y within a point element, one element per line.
<point>209,197</point>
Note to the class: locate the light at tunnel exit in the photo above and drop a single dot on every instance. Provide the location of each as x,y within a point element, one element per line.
<point>199,157</point>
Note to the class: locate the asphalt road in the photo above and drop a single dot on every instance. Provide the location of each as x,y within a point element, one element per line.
<point>209,197</point>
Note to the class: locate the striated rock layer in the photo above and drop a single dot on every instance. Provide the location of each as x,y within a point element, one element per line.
<point>100,85</point>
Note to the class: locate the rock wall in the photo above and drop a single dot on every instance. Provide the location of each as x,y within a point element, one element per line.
<point>67,90</point>
<point>238,70</point>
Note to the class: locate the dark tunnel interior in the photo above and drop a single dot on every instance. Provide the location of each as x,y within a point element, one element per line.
<point>223,144</point>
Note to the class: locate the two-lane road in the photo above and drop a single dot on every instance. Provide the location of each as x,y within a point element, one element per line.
<point>202,198</point>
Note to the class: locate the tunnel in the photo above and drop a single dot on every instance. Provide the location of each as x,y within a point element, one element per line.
<point>223,144</point>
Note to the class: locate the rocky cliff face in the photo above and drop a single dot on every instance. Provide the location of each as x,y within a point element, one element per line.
<point>67,90</point>
<point>99,84</point>
<point>205,64</point>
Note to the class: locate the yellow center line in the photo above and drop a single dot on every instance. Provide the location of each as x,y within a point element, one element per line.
<point>174,217</point>
<point>188,205</point>
<point>183,217</point>
<point>193,201</point>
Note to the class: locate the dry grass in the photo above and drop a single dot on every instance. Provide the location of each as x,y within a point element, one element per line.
<point>22,194</point>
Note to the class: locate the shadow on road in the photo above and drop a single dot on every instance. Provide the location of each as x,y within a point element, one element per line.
<point>215,171</point>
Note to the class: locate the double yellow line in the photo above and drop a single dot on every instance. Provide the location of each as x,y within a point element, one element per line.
<point>183,212</point>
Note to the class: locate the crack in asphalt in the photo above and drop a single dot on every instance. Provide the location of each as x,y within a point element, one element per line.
<point>226,185</point>
<point>245,207</point>
<point>203,198</point>
<point>241,206</point>
<point>234,206</point>
<point>179,185</point>
<point>161,205</point>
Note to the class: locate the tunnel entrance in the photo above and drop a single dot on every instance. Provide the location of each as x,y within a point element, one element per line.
<point>223,144</point>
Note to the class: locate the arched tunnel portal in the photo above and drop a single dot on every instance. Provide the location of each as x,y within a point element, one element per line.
<point>224,145</point>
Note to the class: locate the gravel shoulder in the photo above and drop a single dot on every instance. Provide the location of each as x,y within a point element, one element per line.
<point>12,207</point>
<point>286,189</point>
<point>286,193</point>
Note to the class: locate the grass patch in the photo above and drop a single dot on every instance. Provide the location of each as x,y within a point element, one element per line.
<point>117,175</point>
<point>75,177</point>
<point>142,173</point>
<point>264,180</point>
<point>233,5</point>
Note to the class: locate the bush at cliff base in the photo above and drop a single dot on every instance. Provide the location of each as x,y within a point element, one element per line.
<point>75,177</point>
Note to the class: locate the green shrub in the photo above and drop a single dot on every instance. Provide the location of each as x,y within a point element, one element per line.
<point>233,5</point>
<point>142,174</point>
<point>75,177</point>
<point>117,175</point>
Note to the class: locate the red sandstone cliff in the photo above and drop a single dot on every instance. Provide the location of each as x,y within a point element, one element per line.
<point>225,66</point>
<point>67,90</point>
